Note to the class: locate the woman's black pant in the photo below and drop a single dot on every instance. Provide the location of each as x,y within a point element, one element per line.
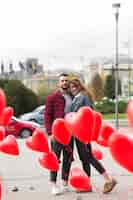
<point>87,158</point>
<point>67,158</point>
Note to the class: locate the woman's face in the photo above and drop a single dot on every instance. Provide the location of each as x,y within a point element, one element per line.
<point>74,89</point>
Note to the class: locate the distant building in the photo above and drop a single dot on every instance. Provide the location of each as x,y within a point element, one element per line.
<point>90,70</point>
<point>32,74</point>
<point>34,82</point>
<point>105,66</point>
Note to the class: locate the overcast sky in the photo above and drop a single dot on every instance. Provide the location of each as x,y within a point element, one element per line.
<point>45,28</point>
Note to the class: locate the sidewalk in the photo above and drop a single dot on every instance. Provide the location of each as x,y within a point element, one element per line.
<point>123,191</point>
<point>36,184</point>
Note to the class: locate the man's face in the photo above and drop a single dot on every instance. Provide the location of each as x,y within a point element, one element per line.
<point>64,82</point>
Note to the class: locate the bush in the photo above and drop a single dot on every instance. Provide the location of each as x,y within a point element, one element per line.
<point>122,106</point>
<point>105,106</point>
<point>19,97</point>
<point>108,106</point>
<point>109,87</point>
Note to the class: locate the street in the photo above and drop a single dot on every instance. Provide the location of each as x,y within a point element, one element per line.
<point>32,180</point>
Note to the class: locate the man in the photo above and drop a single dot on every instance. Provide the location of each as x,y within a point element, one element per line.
<point>57,105</point>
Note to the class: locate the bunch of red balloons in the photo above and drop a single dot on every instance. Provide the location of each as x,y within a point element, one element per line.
<point>8,144</point>
<point>86,125</point>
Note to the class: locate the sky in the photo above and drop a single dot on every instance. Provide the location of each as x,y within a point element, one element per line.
<point>62,30</point>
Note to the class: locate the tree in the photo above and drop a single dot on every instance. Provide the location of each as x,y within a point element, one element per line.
<point>109,88</point>
<point>43,92</point>
<point>18,96</point>
<point>97,87</point>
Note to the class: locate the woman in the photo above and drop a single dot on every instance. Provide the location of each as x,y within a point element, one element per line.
<point>82,97</point>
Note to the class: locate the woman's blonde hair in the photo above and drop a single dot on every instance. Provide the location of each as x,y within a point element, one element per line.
<point>85,91</point>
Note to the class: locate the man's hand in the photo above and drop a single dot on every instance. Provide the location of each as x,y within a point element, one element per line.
<point>52,137</point>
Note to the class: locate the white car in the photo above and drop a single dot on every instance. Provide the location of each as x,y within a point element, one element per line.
<point>36,115</point>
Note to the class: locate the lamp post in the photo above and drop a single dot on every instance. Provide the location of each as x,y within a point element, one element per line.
<point>116,6</point>
<point>129,67</point>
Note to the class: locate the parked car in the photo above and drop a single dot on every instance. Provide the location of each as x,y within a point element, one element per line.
<point>20,128</point>
<point>36,115</point>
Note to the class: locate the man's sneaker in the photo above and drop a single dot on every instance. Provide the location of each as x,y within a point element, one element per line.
<point>56,190</point>
<point>65,188</point>
<point>108,186</point>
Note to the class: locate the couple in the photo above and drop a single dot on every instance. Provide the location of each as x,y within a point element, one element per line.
<point>69,97</point>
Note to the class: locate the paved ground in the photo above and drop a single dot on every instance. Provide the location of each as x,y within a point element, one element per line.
<point>32,180</point>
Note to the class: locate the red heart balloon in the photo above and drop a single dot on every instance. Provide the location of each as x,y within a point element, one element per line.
<point>79,180</point>
<point>106,131</point>
<point>2,100</point>
<point>69,119</point>
<point>38,141</point>
<point>9,145</point>
<point>61,132</point>
<point>129,112</point>
<point>97,154</point>
<point>2,133</point>
<point>6,116</point>
<point>121,149</point>
<point>102,142</point>
<point>82,124</point>
<point>49,161</point>
<point>97,125</point>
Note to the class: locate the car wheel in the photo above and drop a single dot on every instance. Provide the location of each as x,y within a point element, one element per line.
<point>25,133</point>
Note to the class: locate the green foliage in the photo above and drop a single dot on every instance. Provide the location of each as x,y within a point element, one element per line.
<point>122,106</point>
<point>105,106</point>
<point>97,87</point>
<point>108,106</point>
<point>43,92</point>
<point>109,87</point>
<point>18,96</point>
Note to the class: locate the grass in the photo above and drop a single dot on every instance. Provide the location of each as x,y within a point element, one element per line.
<point>112,116</point>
